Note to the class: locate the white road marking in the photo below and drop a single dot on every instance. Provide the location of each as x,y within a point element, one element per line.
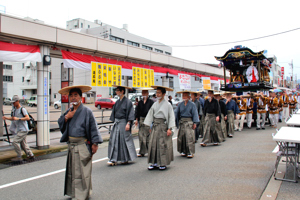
<point>51,173</point>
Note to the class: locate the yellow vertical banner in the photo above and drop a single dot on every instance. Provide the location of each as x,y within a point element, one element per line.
<point>134,84</point>
<point>109,75</point>
<point>142,77</point>
<point>152,77</point>
<point>149,78</point>
<point>104,75</point>
<point>94,74</point>
<point>119,78</point>
<point>99,74</point>
<point>146,82</point>
<point>138,77</point>
<point>115,75</point>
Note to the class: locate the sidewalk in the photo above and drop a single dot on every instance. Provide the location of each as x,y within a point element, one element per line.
<point>7,151</point>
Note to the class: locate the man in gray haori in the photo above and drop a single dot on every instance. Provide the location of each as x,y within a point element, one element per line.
<point>187,118</point>
<point>121,147</point>
<point>141,112</point>
<point>79,128</point>
<point>161,114</point>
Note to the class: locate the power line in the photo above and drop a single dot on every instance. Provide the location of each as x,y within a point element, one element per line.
<point>217,44</point>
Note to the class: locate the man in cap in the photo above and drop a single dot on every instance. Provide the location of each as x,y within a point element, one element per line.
<point>292,103</point>
<point>79,129</point>
<point>261,111</point>
<point>121,147</point>
<point>200,112</point>
<point>273,106</point>
<point>212,114</point>
<point>249,113</point>
<point>19,118</point>
<point>221,125</point>
<point>232,111</point>
<point>161,117</point>
<point>141,112</point>
<point>285,98</point>
<point>187,118</point>
<point>242,104</point>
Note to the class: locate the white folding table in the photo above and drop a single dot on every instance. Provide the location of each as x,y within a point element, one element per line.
<point>294,121</point>
<point>289,135</point>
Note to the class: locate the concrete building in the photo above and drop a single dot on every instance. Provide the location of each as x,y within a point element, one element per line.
<point>19,79</point>
<point>122,35</point>
<point>275,73</point>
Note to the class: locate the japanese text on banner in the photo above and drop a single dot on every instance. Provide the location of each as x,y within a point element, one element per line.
<point>184,81</point>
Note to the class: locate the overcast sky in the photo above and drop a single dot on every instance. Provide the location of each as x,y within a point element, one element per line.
<point>185,23</point>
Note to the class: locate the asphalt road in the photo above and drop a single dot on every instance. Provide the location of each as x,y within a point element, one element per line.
<point>240,168</point>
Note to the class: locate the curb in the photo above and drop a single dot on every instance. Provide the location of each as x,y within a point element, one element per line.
<point>53,149</point>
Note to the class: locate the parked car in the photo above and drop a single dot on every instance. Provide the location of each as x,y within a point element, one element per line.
<point>105,103</point>
<point>57,104</point>
<point>7,101</point>
<point>32,101</point>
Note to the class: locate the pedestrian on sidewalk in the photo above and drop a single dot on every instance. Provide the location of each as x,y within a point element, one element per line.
<point>161,116</point>
<point>187,118</point>
<point>121,147</point>
<point>79,129</point>
<point>19,118</point>
<point>212,113</point>
<point>141,112</point>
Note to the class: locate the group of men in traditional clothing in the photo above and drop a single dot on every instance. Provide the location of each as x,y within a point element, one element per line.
<point>215,119</point>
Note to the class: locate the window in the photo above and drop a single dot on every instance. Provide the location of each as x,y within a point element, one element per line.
<point>133,43</point>
<point>89,26</point>
<point>81,25</point>
<point>23,65</point>
<point>8,78</point>
<point>23,92</point>
<point>167,53</point>
<point>147,47</point>
<point>158,51</point>
<point>54,96</point>
<point>107,100</point>
<point>7,67</point>
<point>34,92</point>
<point>23,79</point>
<point>50,75</point>
<point>88,95</point>
<point>113,38</point>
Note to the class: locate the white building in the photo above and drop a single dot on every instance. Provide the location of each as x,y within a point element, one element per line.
<point>19,79</point>
<point>121,35</point>
<point>275,71</point>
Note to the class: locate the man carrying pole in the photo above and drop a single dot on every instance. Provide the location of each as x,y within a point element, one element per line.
<point>187,118</point>
<point>141,112</point>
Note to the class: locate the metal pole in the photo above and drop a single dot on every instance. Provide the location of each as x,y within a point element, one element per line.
<point>126,83</point>
<point>292,82</point>
<point>224,68</point>
<point>259,71</point>
<point>1,97</point>
<point>43,114</point>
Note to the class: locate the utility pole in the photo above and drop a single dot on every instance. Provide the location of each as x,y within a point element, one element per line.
<point>292,78</point>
